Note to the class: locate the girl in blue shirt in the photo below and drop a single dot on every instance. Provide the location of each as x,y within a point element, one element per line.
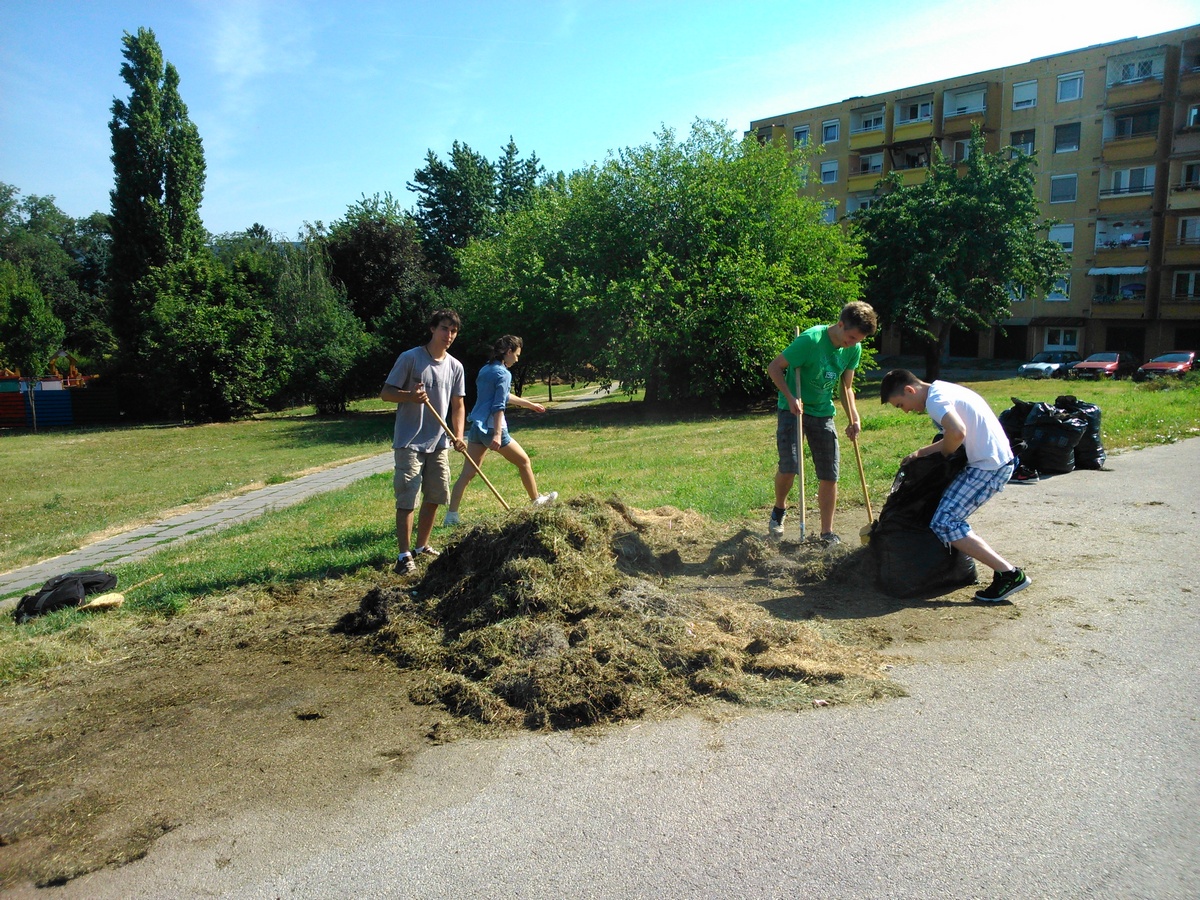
<point>487,429</point>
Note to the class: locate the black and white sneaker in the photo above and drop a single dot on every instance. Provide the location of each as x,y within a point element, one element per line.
<point>775,527</point>
<point>405,564</point>
<point>1003,585</point>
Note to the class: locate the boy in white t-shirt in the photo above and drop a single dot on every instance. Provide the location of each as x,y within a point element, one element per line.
<point>965,420</point>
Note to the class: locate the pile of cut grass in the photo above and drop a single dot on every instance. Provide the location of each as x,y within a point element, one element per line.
<point>548,619</point>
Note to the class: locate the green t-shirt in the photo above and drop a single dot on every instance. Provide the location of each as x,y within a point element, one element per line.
<point>820,366</point>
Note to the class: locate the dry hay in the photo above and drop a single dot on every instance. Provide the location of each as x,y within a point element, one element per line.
<point>560,617</point>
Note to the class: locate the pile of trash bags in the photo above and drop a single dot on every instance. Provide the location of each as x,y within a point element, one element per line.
<point>1057,438</point>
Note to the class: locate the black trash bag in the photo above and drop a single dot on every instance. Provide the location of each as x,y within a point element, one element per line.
<point>912,561</point>
<point>1089,452</point>
<point>1012,420</point>
<point>1052,435</point>
<point>61,591</point>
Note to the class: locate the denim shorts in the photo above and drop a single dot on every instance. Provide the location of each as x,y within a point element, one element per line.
<point>476,435</point>
<point>821,435</point>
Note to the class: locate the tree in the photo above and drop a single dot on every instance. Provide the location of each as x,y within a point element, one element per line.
<point>455,202</point>
<point>375,252</point>
<point>30,333</point>
<point>947,253</point>
<point>63,257</point>
<point>680,267</point>
<point>516,178</point>
<point>208,340</point>
<point>158,164</point>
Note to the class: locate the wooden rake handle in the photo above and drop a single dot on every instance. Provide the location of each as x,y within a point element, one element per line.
<point>862,476</point>
<point>474,464</point>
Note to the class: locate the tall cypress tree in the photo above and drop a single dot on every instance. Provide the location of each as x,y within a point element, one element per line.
<point>158,164</point>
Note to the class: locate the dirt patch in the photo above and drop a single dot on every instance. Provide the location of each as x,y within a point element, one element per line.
<point>580,614</point>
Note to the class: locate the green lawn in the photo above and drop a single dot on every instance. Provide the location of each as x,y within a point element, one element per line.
<point>61,487</point>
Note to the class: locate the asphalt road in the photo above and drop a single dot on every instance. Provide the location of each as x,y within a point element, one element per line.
<point>1056,755</point>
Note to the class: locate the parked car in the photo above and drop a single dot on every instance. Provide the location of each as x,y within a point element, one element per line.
<point>1109,364</point>
<point>1177,362</point>
<point>1049,364</point>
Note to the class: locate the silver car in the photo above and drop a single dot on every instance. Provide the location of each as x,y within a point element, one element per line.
<point>1049,364</point>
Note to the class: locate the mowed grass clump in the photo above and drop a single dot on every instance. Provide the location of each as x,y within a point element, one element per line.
<point>560,618</point>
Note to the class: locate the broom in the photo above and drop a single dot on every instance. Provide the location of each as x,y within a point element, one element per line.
<point>113,599</point>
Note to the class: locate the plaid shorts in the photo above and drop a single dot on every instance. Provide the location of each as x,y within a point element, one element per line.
<point>967,492</point>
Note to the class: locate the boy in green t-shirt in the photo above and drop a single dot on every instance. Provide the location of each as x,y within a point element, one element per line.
<point>824,357</point>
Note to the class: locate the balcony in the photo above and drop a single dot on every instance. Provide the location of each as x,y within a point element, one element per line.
<point>1122,201</point>
<point>867,136</point>
<point>913,130</point>
<point>1183,252</point>
<point>1137,90</point>
<point>1121,253</point>
<point>1179,306</point>
<point>1133,146</point>
<point>1189,82</point>
<point>1184,196</point>
<point>863,181</point>
<point>1118,306</point>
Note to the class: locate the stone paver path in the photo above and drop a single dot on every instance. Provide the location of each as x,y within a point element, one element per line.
<point>141,542</point>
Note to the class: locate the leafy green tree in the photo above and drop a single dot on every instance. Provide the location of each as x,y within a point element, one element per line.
<point>30,333</point>
<point>207,339</point>
<point>947,253</point>
<point>65,262</point>
<point>680,267</point>
<point>456,201</point>
<point>158,164</point>
<point>375,252</point>
<point>516,178</point>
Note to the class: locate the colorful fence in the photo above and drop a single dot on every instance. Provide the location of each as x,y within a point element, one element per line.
<point>91,405</point>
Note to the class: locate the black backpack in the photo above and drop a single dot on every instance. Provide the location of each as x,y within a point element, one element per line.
<point>61,591</point>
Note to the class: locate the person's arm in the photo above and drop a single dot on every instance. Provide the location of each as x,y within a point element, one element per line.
<point>778,372</point>
<point>848,402</point>
<point>954,432</point>
<point>458,418</point>
<point>525,404</point>
<point>393,394</point>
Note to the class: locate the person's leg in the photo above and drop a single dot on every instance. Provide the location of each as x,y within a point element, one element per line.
<point>475,452</point>
<point>515,454</point>
<point>821,434</point>
<point>827,503</point>
<point>789,465</point>
<point>978,549</point>
<point>435,491</point>
<point>406,484</point>
<point>969,490</point>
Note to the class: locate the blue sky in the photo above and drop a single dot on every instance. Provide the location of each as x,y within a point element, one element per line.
<point>305,106</point>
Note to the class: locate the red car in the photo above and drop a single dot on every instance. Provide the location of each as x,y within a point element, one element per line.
<point>1177,362</point>
<point>1108,364</point>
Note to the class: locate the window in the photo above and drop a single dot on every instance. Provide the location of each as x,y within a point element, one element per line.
<point>829,215</point>
<point>915,110</point>
<point>1062,188</point>
<point>1132,69</point>
<point>1136,71</point>
<point>1189,230</point>
<point>1138,124</point>
<point>1061,289</point>
<point>1191,175</point>
<point>1070,87</point>
<point>1025,95</point>
<point>967,101</point>
<point>1066,138</point>
<point>829,172</point>
<point>1062,338</point>
<point>1023,140</point>
<point>1064,236</point>
<point>1016,293</point>
<point>870,163</point>
<point>853,204</point>
<point>800,136</point>
<point>1187,285</point>
<point>1133,181</point>
<point>870,121</point>
<point>917,158</point>
<point>830,131</point>
<point>1193,116</point>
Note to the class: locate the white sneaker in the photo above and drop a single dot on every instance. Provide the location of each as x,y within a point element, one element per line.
<point>451,519</point>
<point>546,499</point>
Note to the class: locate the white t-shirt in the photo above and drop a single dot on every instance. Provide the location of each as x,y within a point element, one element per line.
<point>986,443</point>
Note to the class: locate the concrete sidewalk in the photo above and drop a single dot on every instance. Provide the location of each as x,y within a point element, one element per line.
<point>141,542</point>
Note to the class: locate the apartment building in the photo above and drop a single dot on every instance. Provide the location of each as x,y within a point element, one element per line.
<point>1116,130</point>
